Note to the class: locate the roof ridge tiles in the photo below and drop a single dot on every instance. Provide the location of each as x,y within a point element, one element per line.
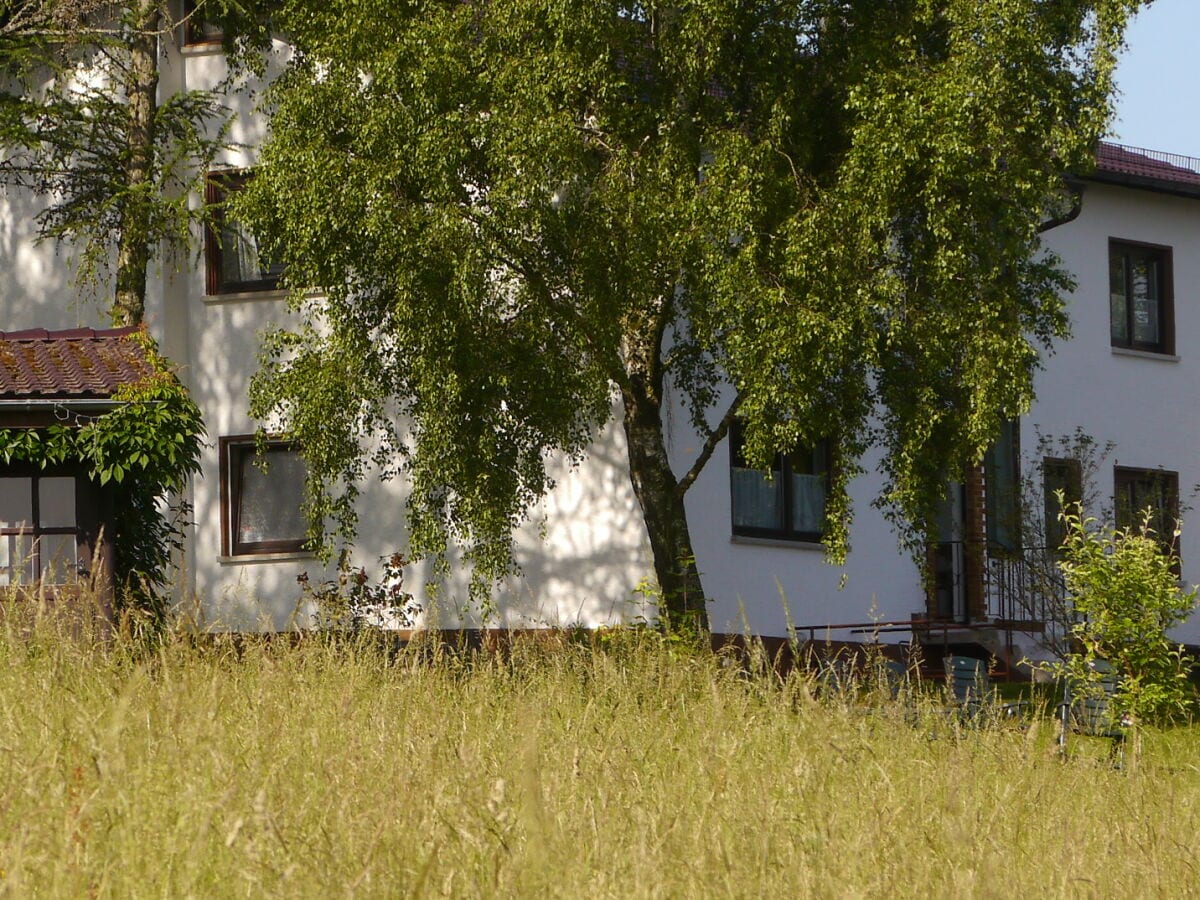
<point>67,334</point>
<point>69,363</point>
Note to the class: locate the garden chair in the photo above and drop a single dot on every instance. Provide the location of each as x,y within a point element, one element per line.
<point>971,689</point>
<point>1091,712</point>
<point>838,675</point>
<point>895,676</point>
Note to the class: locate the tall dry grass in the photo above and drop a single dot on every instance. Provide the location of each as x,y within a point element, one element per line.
<point>324,770</point>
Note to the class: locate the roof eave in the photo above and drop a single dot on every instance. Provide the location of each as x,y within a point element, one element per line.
<point>70,404</point>
<point>1145,183</point>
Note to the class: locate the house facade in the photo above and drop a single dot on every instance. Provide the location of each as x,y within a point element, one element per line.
<point>1110,424</point>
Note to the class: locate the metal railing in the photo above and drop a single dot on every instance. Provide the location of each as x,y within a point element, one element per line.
<point>1177,160</point>
<point>1023,591</point>
<point>1026,586</point>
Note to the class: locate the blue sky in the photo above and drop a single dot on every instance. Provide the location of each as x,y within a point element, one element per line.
<point>1158,105</point>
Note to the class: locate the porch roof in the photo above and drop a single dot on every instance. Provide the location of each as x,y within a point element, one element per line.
<point>73,364</point>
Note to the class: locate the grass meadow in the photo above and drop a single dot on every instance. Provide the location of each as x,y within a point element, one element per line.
<point>558,770</point>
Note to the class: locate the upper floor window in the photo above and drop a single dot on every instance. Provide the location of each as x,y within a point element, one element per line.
<point>1140,298</point>
<point>261,497</point>
<point>232,259</point>
<point>197,29</point>
<point>789,502</point>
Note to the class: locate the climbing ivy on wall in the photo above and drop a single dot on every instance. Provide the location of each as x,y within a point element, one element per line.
<point>141,451</point>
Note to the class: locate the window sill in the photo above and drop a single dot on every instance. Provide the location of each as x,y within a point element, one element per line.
<point>776,542</point>
<point>245,296</point>
<point>1144,354</point>
<point>251,558</point>
<point>201,48</point>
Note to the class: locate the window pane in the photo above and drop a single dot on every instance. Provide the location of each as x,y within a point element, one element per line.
<point>16,559</point>
<point>240,261</point>
<point>16,502</point>
<point>757,501</point>
<point>1003,500</point>
<point>205,32</point>
<point>270,501</point>
<point>1150,495</point>
<point>56,502</point>
<point>1118,311</point>
<point>950,513</point>
<point>807,468</point>
<point>58,558</point>
<point>789,502</point>
<point>1144,288</point>
<point>1059,475</point>
<point>808,503</point>
<point>201,32</point>
<point>1138,490</point>
<point>807,462</point>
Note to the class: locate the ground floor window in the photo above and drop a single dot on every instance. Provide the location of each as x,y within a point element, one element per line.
<point>1060,477</point>
<point>261,497</point>
<point>789,501</point>
<point>1002,507</point>
<point>1155,490</point>
<point>39,531</point>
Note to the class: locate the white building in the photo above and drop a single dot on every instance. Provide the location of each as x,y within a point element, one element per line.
<point>1125,377</point>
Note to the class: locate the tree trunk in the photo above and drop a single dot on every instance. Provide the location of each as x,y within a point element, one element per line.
<point>141,90</point>
<point>657,491</point>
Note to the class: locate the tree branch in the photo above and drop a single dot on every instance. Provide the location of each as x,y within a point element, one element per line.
<point>714,437</point>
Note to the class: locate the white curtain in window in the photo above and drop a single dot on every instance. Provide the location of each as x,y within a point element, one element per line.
<point>239,256</point>
<point>270,500</point>
<point>1145,301</point>
<point>808,503</point>
<point>757,502</point>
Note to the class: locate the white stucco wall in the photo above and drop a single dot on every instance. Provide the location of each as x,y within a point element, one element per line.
<point>1144,404</point>
<point>761,586</point>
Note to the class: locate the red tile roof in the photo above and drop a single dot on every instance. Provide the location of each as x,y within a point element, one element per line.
<point>1147,164</point>
<point>80,363</point>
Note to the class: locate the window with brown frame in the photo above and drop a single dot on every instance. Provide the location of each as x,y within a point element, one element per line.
<point>1140,297</point>
<point>39,529</point>
<point>1156,491</point>
<point>789,502</point>
<point>233,263</point>
<point>261,497</point>
<point>1065,477</point>
<point>196,29</point>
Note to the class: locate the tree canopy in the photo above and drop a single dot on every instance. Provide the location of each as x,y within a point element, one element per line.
<point>518,211</point>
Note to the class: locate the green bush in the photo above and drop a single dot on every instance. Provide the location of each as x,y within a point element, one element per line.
<point>1126,596</point>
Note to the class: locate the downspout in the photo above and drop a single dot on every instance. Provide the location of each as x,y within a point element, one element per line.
<point>1075,188</point>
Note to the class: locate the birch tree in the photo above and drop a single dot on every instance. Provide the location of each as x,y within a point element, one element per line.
<point>821,217</point>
